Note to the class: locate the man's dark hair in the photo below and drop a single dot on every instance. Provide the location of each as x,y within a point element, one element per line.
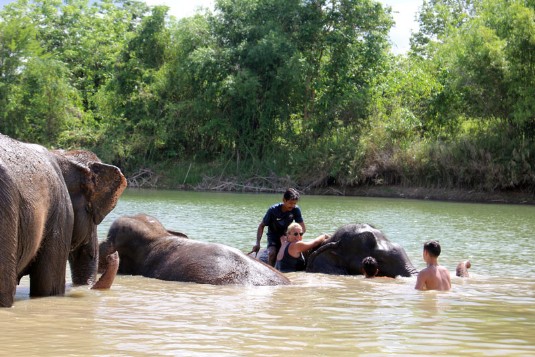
<point>370,266</point>
<point>291,194</point>
<point>432,247</point>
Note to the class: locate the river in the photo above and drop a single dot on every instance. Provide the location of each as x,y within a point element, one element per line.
<point>491,313</point>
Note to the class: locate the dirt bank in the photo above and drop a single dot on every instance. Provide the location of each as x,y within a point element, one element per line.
<point>276,184</point>
<point>438,194</point>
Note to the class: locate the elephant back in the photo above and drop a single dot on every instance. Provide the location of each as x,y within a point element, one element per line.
<point>339,254</point>
<point>147,248</point>
<point>33,193</point>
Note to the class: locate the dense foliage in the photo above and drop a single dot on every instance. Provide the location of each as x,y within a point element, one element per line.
<point>304,89</point>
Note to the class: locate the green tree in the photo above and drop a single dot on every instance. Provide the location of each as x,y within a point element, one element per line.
<point>436,19</point>
<point>45,104</point>
<point>294,71</point>
<point>88,38</point>
<point>17,45</point>
<point>402,98</point>
<point>514,23</point>
<point>38,102</point>
<point>133,104</point>
<point>256,47</point>
<point>80,41</point>
<point>189,86</point>
<point>490,60</point>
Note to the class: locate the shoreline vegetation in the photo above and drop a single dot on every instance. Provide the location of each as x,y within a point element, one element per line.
<point>311,97</point>
<point>147,179</point>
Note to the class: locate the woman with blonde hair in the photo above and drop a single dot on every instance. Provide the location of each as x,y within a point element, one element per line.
<point>290,257</point>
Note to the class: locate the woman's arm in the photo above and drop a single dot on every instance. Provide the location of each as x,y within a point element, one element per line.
<point>297,248</point>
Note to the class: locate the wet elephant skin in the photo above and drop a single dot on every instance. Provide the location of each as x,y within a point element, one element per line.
<point>147,248</point>
<point>51,204</point>
<point>343,252</point>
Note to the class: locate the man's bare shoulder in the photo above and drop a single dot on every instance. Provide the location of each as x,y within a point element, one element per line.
<point>433,278</point>
<point>425,272</point>
<point>443,270</point>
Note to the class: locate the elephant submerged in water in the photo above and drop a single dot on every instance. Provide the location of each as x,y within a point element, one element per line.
<point>344,251</point>
<point>51,204</point>
<point>147,248</point>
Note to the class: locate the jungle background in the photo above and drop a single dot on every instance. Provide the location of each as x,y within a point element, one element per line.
<point>265,94</point>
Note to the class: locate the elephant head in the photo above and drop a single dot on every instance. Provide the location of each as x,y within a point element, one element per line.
<point>130,231</point>
<point>343,253</point>
<point>94,189</point>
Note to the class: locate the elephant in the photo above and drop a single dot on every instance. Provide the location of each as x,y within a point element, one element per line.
<point>147,248</point>
<point>51,204</point>
<point>343,252</point>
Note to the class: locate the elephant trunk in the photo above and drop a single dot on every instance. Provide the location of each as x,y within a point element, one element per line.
<point>84,263</point>
<point>411,270</point>
<point>112,266</point>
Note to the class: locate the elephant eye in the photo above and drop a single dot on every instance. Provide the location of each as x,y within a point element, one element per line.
<point>89,208</point>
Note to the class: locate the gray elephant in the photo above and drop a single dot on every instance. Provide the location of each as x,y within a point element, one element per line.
<point>51,204</point>
<point>344,251</point>
<point>147,248</point>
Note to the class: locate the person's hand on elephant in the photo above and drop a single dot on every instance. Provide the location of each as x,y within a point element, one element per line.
<point>324,237</point>
<point>256,248</point>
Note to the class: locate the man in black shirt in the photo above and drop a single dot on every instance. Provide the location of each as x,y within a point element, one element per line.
<point>277,218</point>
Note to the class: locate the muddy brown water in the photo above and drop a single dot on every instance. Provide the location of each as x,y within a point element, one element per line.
<point>491,313</point>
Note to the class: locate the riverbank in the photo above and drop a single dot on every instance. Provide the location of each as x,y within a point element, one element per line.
<point>273,184</point>
<point>436,194</point>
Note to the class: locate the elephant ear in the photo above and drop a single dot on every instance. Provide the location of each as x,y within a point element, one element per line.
<point>93,186</point>
<point>103,186</point>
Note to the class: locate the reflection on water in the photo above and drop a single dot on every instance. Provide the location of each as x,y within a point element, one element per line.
<point>491,313</point>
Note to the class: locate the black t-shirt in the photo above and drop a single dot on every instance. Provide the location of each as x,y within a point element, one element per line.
<point>278,221</point>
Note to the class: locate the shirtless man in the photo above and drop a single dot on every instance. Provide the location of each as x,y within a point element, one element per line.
<point>434,277</point>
